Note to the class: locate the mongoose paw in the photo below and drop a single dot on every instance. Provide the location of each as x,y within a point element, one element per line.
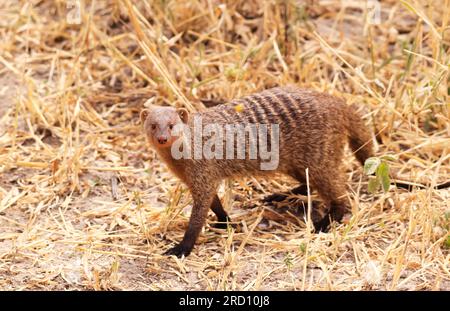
<point>179,250</point>
<point>223,224</point>
<point>220,225</point>
<point>276,197</point>
<point>322,225</point>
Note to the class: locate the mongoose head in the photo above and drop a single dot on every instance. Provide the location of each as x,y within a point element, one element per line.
<point>163,125</point>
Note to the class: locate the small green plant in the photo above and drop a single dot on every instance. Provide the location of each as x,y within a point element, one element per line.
<point>447,242</point>
<point>303,248</point>
<point>447,221</point>
<point>137,198</point>
<point>379,167</point>
<point>96,182</point>
<point>447,215</point>
<point>288,261</point>
<point>234,73</point>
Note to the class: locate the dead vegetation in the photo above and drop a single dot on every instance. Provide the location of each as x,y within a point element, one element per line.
<point>85,205</point>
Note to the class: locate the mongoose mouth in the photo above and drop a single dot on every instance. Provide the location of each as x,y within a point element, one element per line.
<point>163,143</point>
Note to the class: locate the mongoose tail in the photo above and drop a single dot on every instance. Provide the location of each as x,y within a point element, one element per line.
<point>360,141</point>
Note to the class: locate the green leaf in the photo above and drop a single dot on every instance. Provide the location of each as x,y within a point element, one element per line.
<point>386,182</point>
<point>383,175</point>
<point>371,164</point>
<point>389,157</point>
<point>373,185</point>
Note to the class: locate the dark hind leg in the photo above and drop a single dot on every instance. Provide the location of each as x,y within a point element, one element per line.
<point>332,190</point>
<point>278,197</point>
<point>300,190</point>
<point>222,216</point>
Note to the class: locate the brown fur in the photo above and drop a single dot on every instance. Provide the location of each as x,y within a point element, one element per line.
<point>314,128</point>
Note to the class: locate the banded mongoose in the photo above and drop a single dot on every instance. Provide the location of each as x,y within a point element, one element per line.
<point>313,130</point>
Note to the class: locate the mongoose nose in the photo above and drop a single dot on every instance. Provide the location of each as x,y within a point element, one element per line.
<point>162,140</point>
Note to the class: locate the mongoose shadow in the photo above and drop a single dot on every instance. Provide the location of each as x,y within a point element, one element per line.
<point>313,130</point>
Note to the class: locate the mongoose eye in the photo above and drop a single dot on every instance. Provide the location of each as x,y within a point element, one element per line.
<point>170,126</point>
<point>153,126</point>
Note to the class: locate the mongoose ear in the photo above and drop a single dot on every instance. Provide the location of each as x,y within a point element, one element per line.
<point>184,115</point>
<point>144,115</point>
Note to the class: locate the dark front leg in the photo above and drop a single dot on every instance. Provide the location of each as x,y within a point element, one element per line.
<point>222,216</point>
<point>332,192</point>
<point>202,202</point>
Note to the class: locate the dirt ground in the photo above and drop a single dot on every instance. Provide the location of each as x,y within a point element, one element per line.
<point>85,204</point>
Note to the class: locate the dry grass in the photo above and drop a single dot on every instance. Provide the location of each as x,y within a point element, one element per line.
<point>85,205</point>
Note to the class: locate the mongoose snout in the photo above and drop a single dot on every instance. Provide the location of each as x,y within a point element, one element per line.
<point>162,140</point>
